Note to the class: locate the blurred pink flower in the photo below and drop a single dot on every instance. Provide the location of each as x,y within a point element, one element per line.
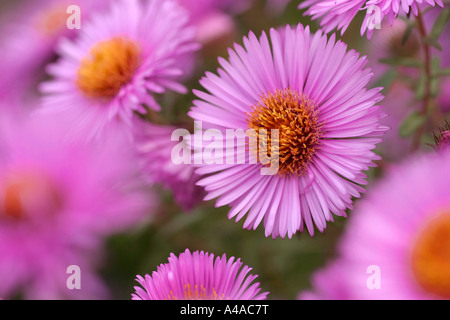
<point>28,37</point>
<point>154,146</point>
<point>119,61</point>
<point>401,229</point>
<point>398,103</point>
<point>58,201</point>
<point>339,14</point>
<point>199,276</point>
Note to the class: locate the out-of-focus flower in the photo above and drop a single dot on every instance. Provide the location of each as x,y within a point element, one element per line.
<point>398,104</point>
<point>388,44</point>
<point>397,245</point>
<point>314,92</point>
<point>199,276</point>
<point>29,33</point>
<point>154,146</point>
<point>117,63</point>
<point>58,201</point>
<point>339,14</point>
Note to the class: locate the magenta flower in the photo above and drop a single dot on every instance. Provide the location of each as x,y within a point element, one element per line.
<point>29,33</point>
<point>401,233</point>
<point>58,201</point>
<point>314,92</point>
<point>117,64</point>
<point>199,276</point>
<point>154,147</point>
<point>339,14</point>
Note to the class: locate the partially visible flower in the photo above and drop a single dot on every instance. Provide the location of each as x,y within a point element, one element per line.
<point>397,245</point>
<point>58,201</point>
<point>28,37</point>
<point>199,276</point>
<point>154,146</point>
<point>398,104</point>
<point>328,284</point>
<point>388,44</point>
<point>119,61</point>
<point>339,14</point>
<point>315,93</point>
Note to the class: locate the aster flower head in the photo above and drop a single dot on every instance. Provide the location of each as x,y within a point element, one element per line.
<point>339,14</point>
<point>30,32</point>
<point>314,93</point>
<point>154,145</point>
<point>405,235</point>
<point>199,276</point>
<point>117,64</point>
<point>58,201</point>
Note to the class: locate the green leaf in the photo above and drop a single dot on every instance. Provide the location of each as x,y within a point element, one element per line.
<point>434,81</point>
<point>420,88</point>
<point>405,62</point>
<point>438,26</point>
<point>433,42</point>
<point>408,32</point>
<point>441,73</point>
<point>412,122</point>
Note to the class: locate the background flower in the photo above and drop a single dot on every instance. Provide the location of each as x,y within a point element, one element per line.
<point>404,233</point>
<point>119,61</point>
<point>58,202</point>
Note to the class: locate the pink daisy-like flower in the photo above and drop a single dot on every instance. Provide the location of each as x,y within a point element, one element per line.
<point>314,92</point>
<point>58,201</point>
<point>398,245</point>
<point>117,63</point>
<point>339,14</point>
<point>199,276</point>
<point>154,146</point>
<point>28,37</point>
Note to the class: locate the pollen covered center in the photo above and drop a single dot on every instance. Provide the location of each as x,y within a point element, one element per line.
<point>431,257</point>
<point>110,65</point>
<point>299,130</point>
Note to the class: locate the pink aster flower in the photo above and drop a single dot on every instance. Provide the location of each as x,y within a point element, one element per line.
<point>154,146</point>
<point>401,233</point>
<point>199,276</point>
<point>339,14</point>
<point>119,61</point>
<point>28,37</point>
<point>57,202</point>
<point>314,92</point>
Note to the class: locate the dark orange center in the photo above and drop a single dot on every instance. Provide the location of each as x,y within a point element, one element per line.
<point>299,130</point>
<point>25,193</point>
<point>431,257</point>
<point>109,66</point>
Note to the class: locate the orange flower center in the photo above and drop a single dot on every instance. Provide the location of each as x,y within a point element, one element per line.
<point>431,257</point>
<point>26,193</point>
<point>109,66</point>
<point>299,131</point>
<point>197,293</point>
